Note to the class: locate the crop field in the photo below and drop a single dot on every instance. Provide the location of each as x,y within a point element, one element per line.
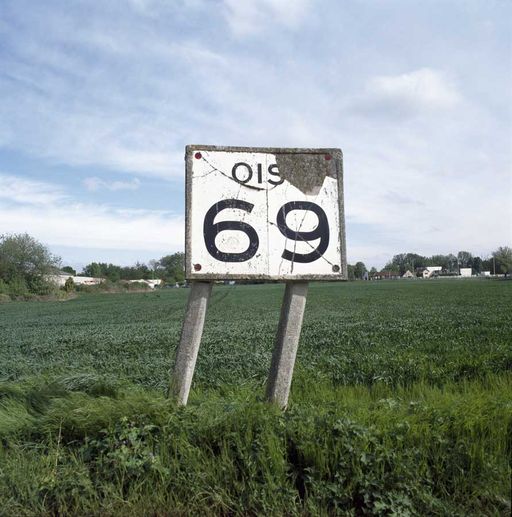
<point>401,404</point>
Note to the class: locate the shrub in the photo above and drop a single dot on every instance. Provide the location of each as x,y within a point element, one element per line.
<point>41,287</point>
<point>18,287</point>
<point>4,287</point>
<point>136,286</point>
<point>69,285</point>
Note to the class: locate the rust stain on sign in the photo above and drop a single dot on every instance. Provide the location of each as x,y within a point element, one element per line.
<point>306,171</point>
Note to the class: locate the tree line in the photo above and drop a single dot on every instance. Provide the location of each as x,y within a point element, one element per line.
<point>26,266</point>
<point>170,269</point>
<point>500,262</point>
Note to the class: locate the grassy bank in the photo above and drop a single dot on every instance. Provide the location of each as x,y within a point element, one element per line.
<point>84,445</point>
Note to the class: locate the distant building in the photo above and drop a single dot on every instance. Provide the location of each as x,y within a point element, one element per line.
<point>408,274</point>
<point>61,277</point>
<point>385,275</point>
<point>485,273</point>
<point>466,271</point>
<point>429,271</point>
<point>150,283</point>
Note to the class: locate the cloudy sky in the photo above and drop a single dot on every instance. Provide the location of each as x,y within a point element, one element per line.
<point>99,99</point>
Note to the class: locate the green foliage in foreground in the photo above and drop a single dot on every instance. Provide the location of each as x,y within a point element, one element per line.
<point>401,404</point>
<point>83,445</point>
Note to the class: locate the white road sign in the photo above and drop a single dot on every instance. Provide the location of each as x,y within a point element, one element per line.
<point>264,213</point>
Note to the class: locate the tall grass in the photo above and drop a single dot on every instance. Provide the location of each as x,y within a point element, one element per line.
<point>78,447</point>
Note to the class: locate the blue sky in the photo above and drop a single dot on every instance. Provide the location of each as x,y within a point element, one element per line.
<point>99,99</point>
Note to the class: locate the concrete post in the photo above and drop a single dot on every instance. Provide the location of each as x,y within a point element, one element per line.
<point>188,348</point>
<point>287,342</point>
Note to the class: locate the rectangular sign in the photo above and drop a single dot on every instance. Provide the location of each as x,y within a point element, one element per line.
<point>264,213</point>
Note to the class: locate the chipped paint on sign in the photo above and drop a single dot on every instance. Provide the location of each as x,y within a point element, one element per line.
<point>264,213</point>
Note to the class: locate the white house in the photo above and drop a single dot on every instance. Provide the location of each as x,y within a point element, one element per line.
<point>466,271</point>
<point>408,274</point>
<point>430,270</point>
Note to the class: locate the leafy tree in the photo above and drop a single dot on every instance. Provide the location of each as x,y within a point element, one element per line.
<point>406,261</point>
<point>399,263</point>
<point>111,272</point>
<point>395,268</point>
<point>139,271</point>
<point>68,269</point>
<point>156,270</point>
<point>350,272</point>
<point>359,270</point>
<point>464,259</point>
<point>103,270</point>
<point>373,270</point>
<point>477,264</point>
<point>503,258</point>
<point>25,264</point>
<point>93,269</point>
<point>445,261</point>
<point>18,287</point>
<point>114,273</point>
<point>173,267</point>
<point>142,271</point>
<point>4,287</point>
<point>488,264</point>
<point>452,263</point>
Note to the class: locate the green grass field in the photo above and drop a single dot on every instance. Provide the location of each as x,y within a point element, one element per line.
<point>401,404</point>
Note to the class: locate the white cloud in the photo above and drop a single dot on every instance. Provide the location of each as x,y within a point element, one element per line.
<point>399,199</point>
<point>425,89</point>
<point>102,137</point>
<point>93,184</point>
<point>249,17</point>
<point>92,226</point>
<point>126,110</point>
<point>26,191</point>
<point>47,213</point>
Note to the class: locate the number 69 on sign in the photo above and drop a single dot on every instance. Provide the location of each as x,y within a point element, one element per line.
<point>263,213</point>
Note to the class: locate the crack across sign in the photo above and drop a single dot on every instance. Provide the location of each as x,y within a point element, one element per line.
<point>308,243</point>
<point>286,237</point>
<point>214,169</point>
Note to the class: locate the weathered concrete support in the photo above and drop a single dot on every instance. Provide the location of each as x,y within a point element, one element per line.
<point>191,332</point>
<point>287,342</point>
